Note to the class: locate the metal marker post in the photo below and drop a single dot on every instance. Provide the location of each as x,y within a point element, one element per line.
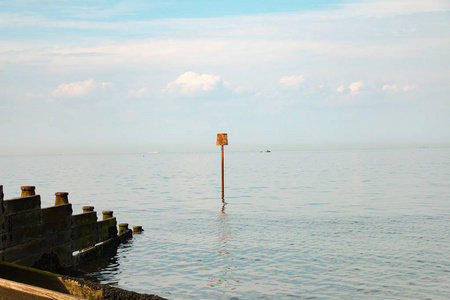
<point>222,139</point>
<point>223,177</point>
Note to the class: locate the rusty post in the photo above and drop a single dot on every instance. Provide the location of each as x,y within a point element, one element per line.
<point>61,198</point>
<point>27,191</point>
<point>137,229</point>
<point>222,139</point>
<point>87,209</point>
<point>107,214</point>
<point>123,227</point>
<point>223,176</point>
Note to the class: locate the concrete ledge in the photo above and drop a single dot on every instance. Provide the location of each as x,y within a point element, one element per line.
<point>33,277</point>
<point>24,283</point>
<point>15,290</point>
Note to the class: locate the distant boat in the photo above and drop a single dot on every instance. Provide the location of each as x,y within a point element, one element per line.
<point>155,152</point>
<point>266,151</point>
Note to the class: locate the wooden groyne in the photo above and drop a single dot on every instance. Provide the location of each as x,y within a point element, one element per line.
<point>52,238</point>
<point>56,240</point>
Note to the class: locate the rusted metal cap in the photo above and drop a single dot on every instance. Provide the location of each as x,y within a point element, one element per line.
<point>137,229</point>
<point>28,188</point>
<point>61,194</point>
<point>88,208</point>
<point>61,198</point>
<point>123,227</point>
<point>27,191</point>
<point>107,214</point>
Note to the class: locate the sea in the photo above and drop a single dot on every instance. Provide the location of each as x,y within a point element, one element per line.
<point>348,224</point>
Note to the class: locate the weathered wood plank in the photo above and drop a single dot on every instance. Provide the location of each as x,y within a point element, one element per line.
<point>22,219</point>
<point>53,227</point>
<point>52,213</point>
<point>20,236</point>
<point>22,204</point>
<point>106,229</point>
<point>20,251</point>
<point>83,219</point>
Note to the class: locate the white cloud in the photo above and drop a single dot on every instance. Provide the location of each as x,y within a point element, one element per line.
<point>390,88</point>
<point>292,82</point>
<point>408,88</point>
<point>355,86</point>
<point>79,88</point>
<point>141,93</point>
<point>191,83</point>
<point>340,88</point>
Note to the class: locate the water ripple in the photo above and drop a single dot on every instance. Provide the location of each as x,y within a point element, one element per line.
<point>308,225</point>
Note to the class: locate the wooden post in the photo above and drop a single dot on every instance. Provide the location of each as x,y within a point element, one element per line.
<point>27,191</point>
<point>87,209</point>
<point>107,214</point>
<point>123,227</point>
<point>61,198</point>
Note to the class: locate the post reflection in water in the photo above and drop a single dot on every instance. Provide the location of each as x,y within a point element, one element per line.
<point>223,279</point>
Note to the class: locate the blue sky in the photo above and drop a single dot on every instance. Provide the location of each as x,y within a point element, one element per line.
<point>167,76</point>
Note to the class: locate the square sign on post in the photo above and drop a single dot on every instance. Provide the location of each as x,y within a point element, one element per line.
<point>222,139</point>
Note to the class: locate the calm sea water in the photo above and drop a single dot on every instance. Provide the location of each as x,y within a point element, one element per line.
<point>310,224</point>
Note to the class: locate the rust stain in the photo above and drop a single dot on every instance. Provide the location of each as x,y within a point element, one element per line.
<point>222,139</point>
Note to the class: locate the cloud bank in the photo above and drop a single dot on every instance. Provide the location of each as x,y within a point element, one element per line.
<point>79,89</point>
<point>330,66</point>
<point>355,87</point>
<point>292,82</point>
<point>191,83</point>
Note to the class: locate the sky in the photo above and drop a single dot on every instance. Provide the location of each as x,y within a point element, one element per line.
<point>138,76</point>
